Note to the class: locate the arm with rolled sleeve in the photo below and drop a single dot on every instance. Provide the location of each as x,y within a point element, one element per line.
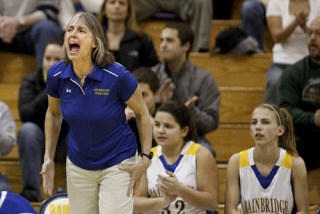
<point>7,130</point>
<point>45,9</point>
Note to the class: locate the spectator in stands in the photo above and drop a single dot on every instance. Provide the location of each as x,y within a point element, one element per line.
<point>12,203</point>
<point>90,91</point>
<point>69,7</point>
<point>7,139</point>
<point>287,21</point>
<point>26,26</point>
<point>196,12</point>
<point>33,103</point>
<point>149,86</point>
<point>131,47</point>
<point>299,93</point>
<point>182,81</point>
<point>253,19</point>
<point>183,175</point>
<point>269,177</point>
<point>92,6</point>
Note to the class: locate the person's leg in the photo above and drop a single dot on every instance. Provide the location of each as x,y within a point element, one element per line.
<point>253,19</point>
<point>40,34</point>
<point>21,44</point>
<point>4,184</point>
<point>114,184</point>
<point>145,8</point>
<point>199,13</point>
<point>31,148</point>
<point>273,76</point>
<point>82,188</point>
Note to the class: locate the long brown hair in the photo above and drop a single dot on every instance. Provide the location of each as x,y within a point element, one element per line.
<point>131,20</point>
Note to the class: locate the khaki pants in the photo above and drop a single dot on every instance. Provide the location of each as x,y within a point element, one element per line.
<point>98,191</point>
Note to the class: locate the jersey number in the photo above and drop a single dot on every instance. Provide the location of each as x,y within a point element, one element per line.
<point>179,204</point>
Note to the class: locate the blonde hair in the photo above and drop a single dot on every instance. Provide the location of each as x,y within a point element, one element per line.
<point>287,140</point>
<point>100,55</point>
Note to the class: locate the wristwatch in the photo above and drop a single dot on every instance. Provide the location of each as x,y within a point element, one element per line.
<point>150,155</point>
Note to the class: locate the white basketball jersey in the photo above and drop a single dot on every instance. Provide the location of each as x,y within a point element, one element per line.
<point>270,194</point>
<point>185,171</point>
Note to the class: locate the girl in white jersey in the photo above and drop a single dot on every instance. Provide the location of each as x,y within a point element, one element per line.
<point>269,177</point>
<point>182,177</point>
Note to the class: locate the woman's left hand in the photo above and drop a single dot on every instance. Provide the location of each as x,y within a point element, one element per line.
<point>136,170</point>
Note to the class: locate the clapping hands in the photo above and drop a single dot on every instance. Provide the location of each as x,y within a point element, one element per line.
<point>169,186</point>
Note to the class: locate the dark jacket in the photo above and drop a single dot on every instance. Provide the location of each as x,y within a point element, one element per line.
<point>33,101</point>
<point>299,93</point>
<point>136,50</point>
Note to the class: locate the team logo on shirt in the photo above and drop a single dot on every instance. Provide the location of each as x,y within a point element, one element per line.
<point>101,91</point>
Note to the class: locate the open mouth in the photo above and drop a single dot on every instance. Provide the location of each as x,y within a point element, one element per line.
<point>74,47</point>
<point>259,135</point>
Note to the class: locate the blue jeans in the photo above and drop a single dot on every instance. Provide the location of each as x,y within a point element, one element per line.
<point>4,183</point>
<point>253,20</point>
<point>31,144</point>
<point>34,40</point>
<point>273,77</point>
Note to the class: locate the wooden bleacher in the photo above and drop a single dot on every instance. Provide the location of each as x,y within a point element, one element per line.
<point>13,67</point>
<point>241,80</point>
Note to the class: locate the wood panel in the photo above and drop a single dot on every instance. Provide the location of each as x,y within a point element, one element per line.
<point>237,103</point>
<point>236,9</point>
<point>222,172</point>
<point>235,71</point>
<point>13,171</point>
<point>314,187</point>
<point>14,66</point>
<point>229,139</point>
<point>9,93</point>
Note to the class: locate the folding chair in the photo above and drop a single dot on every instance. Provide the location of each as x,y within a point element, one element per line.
<point>58,203</point>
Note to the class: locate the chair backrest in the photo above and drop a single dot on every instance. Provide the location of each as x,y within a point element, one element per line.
<point>58,203</point>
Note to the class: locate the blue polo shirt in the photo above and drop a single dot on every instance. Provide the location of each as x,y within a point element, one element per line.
<point>99,136</point>
<point>12,203</point>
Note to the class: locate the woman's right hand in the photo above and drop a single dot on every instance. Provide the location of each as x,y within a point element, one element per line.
<point>47,173</point>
